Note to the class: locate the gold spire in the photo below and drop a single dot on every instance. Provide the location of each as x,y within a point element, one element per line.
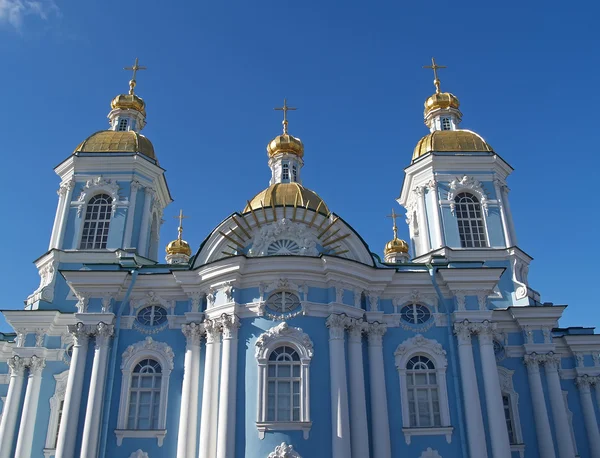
<point>285,109</point>
<point>179,246</point>
<point>395,228</point>
<point>180,217</point>
<point>395,245</point>
<point>135,69</point>
<point>436,80</point>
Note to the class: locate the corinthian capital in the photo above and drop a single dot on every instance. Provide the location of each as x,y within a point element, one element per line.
<point>356,327</point>
<point>376,331</point>
<point>103,333</point>
<point>584,382</point>
<point>463,331</point>
<point>212,330</point>
<point>229,325</point>
<point>80,333</point>
<point>193,333</point>
<point>552,361</point>
<point>16,365</point>
<point>336,325</point>
<point>533,360</point>
<point>36,365</point>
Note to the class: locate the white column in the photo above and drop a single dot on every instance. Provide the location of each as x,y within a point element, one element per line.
<point>142,246</point>
<point>65,193</point>
<point>340,422</point>
<point>559,412</point>
<point>135,185</point>
<point>505,226</point>
<point>11,405</point>
<point>540,412</point>
<point>424,233</point>
<point>93,413</point>
<point>67,430</point>
<point>227,392</point>
<point>187,438</point>
<point>30,407</point>
<point>493,396</point>
<point>379,410</point>
<point>208,418</point>
<point>589,416</point>
<point>437,233</point>
<point>508,213</point>
<point>358,405</point>
<point>472,404</point>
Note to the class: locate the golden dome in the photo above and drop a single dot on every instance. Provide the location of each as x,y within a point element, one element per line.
<point>459,141</point>
<point>179,246</point>
<point>287,194</point>
<point>395,246</point>
<point>110,141</point>
<point>441,100</point>
<point>129,102</point>
<point>285,143</point>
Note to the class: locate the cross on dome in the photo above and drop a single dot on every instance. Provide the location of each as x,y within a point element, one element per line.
<point>285,109</point>
<point>180,217</point>
<point>135,69</point>
<point>395,227</point>
<point>435,68</point>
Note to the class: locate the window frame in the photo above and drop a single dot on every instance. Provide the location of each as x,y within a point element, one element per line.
<point>507,389</point>
<point>481,219</point>
<point>283,335</point>
<point>55,409</point>
<point>122,125</point>
<point>134,354</point>
<point>414,306</point>
<point>443,121</point>
<point>110,214</point>
<point>285,170</point>
<point>431,349</point>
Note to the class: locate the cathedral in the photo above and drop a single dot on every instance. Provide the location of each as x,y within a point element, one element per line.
<point>283,335</point>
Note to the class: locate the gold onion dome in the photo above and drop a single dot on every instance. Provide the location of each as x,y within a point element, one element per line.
<point>441,100</point>
<point>456,141</point>
<point>395,246</point>
<point>285,143</point>
<point>129,102</point>
<point>110,141</point>
<point>179,246</point>
<point>288,194</point>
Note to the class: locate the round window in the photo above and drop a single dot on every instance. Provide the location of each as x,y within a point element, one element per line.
<point>152,315</point>
<point>283,247</point>
<point>283,302</point>
<point>415,314</point>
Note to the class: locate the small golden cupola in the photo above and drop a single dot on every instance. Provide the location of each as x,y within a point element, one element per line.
<point>442,116</point>
<point>285,143</point>
<point>396,250</point>
<point>178,251</point>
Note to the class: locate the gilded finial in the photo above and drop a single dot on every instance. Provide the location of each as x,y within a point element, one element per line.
<point>285,109</point>
<point>435,68</point>
<point>180,217</point>
<point>135,69</point>
<point>395,228</point>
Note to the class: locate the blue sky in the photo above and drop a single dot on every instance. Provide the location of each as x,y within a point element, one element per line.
<point>526,75</point>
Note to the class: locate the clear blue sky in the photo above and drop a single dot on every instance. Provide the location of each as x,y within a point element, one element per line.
<point>526,75</point>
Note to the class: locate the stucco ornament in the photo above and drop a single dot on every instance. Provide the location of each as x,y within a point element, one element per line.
<point>284,451</point>
<point>95,186</point>
<point>139,454</point>
<point>430,453</point>
<point>283,332</point>
<point>149,345</point>
<point>284,238</point>
<point>422,343</point>
<point>469,184</point>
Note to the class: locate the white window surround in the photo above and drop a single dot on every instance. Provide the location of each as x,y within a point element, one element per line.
<point>95,186</point>
<point>283,335</point>
<point>470,185</point>
<point>507,388</point>
<point>284,451</point>
<point>570,418</point>
<point>145,349</point>
<point>419,345</point>
<point>55,400</point>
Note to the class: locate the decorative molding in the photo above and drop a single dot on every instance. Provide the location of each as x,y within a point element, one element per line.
<point>95,186</point>
<point>193,333</point>
<point>337,325</point>
<point>430,453</point>
<point>469,184</point>
<point>284,229</point>
<point>146,347</point>
<point>375,333</point>
<point>16,365</point>
<point>507,387</point>
<point>415,296</point>
<point>229,325</point>
<point>419,343</point>
<point>284,451</point>
<point>283,332</point>
<point>195,300</point>
<point>55,401</point>
<point>139,454</point>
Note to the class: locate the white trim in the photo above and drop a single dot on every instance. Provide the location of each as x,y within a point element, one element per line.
<point>430,453</point>
<point>469,185</point>
<point>284,451</point>
<point>419,345</point>
<point>275,337</point>
<point>507,388</point>
<point>570,419</point>
<point>139,453</point>
<point>55,400</point>
<point>99,185</point>
<point>162,353</point>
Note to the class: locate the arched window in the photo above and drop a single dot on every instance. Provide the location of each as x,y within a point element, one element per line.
<point>123,123</point>
<point>146,367</point>
<point>283,354</point>
<point>283,385</point>
<point>97,220</point>
<point>423,395</point>
<point>471,226</point>
<point>144,395</point>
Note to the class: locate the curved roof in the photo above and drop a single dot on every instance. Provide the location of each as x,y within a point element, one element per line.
<point>110,141</point>
<point>287,194</point>
<point>458,141</point>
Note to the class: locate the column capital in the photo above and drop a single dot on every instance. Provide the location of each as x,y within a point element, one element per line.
<point>193,333</point>
<point>212,330</point>
<point>463,330</point>
<point>356,327</point>
<point>376,331</point>
<point>80,332</point>
<point>485,330</point>
<point>584,382</point>
<point>36,365</point>
<point>336,325</point>
<point>229,325</point>
<point>552,362</point>
<point>16,365</point>
<point>533,360</point>
<point>103,333</point>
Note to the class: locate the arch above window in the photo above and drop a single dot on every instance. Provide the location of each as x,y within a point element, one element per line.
<point>99,185</point>
<point>470,185</point>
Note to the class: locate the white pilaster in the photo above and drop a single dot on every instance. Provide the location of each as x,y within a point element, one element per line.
<point>379,411</point>
<point>67,430</point>
<point>340,423</point>
<point>589,416</point>
<point>208,418</point>
<point>559,413</point>
<point>493,396</point>
<point>540,413</point>
<point>437,233</point>
<point>505,225</point>
<point>135,186</point>
<point>93,413</point>
<point>472,404</point>
<point>142,247</point>
<point>424,233</point>
<point>10,410</point>
<point>65,194</point>
<point>30,407</point>
<point>358,405</point>
<point>187,438</point>
<point>227,396</point>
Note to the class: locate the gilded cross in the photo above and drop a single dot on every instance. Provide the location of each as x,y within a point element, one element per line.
<point>394,216</point>
<point>180,217</point>
<point>435,68</point>
<point>285,109</point>
<point>135,69</point>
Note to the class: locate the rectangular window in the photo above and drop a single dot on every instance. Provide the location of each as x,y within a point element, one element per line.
<point>285,172</point>
<point>509,419</point>
<point>294,173</point>
<point>122,125</point>
<point>446,124</point>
